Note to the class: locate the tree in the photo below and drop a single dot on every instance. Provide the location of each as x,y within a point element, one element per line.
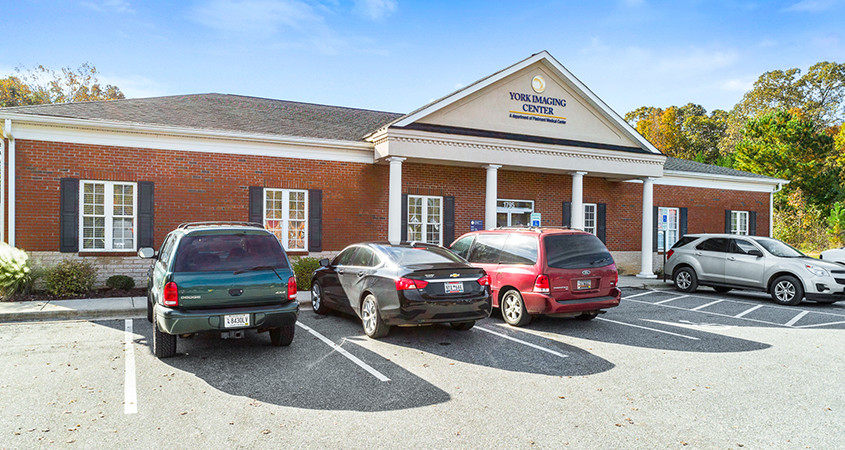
<point>683,132</point>
<point>42,85</point>
<point>14,92</point>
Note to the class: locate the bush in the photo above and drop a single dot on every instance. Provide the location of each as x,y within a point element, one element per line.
<point>16,274</point>
<point>122,282</point>
<point>303,268</point>
<point>70,278</point>
<point>836,225</point>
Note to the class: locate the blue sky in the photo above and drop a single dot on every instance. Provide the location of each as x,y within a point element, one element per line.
<point>397,55</point>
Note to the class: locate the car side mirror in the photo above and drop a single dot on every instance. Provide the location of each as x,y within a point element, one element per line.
<point>755,252</point>
<point>146,252</point>
<point>324,262</point>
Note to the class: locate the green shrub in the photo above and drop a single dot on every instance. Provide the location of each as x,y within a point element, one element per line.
<point>303,268</point>
<point>16,274</point>
<point>122,282</point>
<point>836,225</point>
<point>70,278</point>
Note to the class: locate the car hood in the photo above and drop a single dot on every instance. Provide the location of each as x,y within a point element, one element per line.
<point>821,263</point>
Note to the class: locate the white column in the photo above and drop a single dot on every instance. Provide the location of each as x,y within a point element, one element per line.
<point>577,212</point>
<point>646,269</point>
<point>491,195</point>
<point>394,201</point>
<point>11,186</point>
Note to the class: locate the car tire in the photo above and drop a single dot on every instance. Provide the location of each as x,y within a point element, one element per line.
<point>787,290</point>
<point>374,327</point>
<point>685,279</point>
<point>149,309</point>
<point>164,345</point>
<point>513,309</point>
<point>317,303</point>
<point>588,315</point>
<point>462,326</point>
<point>282,336</point>
<point>721,289</point>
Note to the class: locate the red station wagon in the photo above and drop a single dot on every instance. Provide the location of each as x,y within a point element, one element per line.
<point>536,270</point>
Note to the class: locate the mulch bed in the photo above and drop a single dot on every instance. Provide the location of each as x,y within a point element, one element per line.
<point>99,293</point>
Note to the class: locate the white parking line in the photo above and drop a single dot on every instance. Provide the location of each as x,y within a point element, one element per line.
<point>522,342</point>
<point>130,396</point>
<point>671,299</point>
<point>706,305</point>
<point>650,329</point>
<point>637,295</point>
<point>343,352</point>
<point>797,318</point>
<point>755,308</point>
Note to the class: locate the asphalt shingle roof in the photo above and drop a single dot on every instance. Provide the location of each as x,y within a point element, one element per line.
<point>685,165</point>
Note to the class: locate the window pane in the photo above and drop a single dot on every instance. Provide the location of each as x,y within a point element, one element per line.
<point>433,210</point>
<point>122,234</point>
<point>414,232</point>
<point>433,233</point>
<point>414,210</point>
<point>296,206</point>
<point>296,235</point>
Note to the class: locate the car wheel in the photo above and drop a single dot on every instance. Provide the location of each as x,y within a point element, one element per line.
<point>721,289</point>
<point>149,309</point>
<point>513,309</point>
<point>462,326</point>
<point>787,290</point>
<point>685,279</point>
<point>282,336</point>
<point>164,345</point>
<point>588,315</point>
<point>374,327</point>
<point>317,299</point>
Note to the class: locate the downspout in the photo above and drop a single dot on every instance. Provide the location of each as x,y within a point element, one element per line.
<point>772,209</point>
<point>7,130</point>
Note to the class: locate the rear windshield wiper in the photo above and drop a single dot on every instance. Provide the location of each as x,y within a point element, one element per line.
<point>593,263</point>
<point>251,269</point>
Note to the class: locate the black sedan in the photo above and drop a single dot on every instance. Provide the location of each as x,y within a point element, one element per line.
<point>406,284</point>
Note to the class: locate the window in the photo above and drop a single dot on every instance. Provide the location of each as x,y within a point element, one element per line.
<point>364,258</point>
<point>166,250</point>
<point>285,215</point>
<point>739,222</point>
<point>108,220</point>
<point>590,218</point>
<point>345,256</point>
<point>714,245</point>
<point>575,251</point>
<point>741,246</point>
<point>228,253</point>
<point>513,213</point>
<point>667,227</point>
<point>520,249</point>
<point>487,248</point>
<point>425,217</point>
<point>461,247</point>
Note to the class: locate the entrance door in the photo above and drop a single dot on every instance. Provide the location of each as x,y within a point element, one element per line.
<point>514,213</point>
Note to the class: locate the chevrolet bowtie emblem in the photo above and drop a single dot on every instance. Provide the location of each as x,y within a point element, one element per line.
<point>454,275</point>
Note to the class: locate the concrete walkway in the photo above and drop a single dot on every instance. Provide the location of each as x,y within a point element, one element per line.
<point>125,307</point>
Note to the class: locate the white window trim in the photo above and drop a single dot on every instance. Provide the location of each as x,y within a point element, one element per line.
<point>509,211</point>
<point>735,215</point>
<point>677,228</point>
<point>424,214</point>
<point>595,227</point>
<point>286,216</point>
<point>108,210</point>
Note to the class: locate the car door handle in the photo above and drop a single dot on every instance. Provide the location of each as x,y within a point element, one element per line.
<point>360,274</point>
<point>340,271</point>
<point>731,258</point>
<point>697,253</point>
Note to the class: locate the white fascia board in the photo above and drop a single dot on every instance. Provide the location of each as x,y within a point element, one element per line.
<point>715,181</point>
<point>120,134</point>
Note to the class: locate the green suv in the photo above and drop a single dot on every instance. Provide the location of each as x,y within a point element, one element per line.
<point>223,277</point>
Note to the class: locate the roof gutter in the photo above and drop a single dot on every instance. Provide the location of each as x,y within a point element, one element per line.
<point>7,133</point>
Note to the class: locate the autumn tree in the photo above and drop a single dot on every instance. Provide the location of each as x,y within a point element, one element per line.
<point>683,132</point>
<point>41,85</point>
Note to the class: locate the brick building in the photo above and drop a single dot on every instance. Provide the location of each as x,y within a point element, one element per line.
<point>99,180</point>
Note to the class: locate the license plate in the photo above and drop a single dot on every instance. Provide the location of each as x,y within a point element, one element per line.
<point>454,287</point>
<point>236,321</point>
<point>585,284</point>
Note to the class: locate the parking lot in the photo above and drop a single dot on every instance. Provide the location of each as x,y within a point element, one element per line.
<point>664,369</point>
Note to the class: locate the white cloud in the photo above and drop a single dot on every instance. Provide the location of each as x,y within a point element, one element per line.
<point>118,6</point>
<point>134,86</point>
<point>742,84</point>
<point>375,9</point>
<point>696,61</point>
<point>256,16</point>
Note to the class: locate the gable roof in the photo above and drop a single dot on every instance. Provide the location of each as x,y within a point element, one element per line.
<point>227,113</point>
<point>687,166</point>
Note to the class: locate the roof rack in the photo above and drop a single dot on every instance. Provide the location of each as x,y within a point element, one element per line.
<point>531,227</point>
<point>218,223</point>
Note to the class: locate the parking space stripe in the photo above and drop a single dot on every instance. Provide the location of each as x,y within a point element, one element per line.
<point>797,318</point>
<point>650,329</point>
<point>706,305</point>
<point>755,308</point>
<point>671,299</point>
<point>725,315</point>
<point>820,324</point>
<point>130,395</point>
<point>522,342</point>
<point>343,352</point>
<point>637,295</point>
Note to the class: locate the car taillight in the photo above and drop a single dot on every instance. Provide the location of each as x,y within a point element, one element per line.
<point>615,279</point>
<point>669,255</point>
<point>484,281</point>
<point>541,284</point>
<point>403,284</point>
<point>292,288</point>
<point>171,294</point>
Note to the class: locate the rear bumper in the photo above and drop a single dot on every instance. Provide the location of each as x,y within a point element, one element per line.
<point>174,321</point>
<point>543,304</point>
<point>416,311</point>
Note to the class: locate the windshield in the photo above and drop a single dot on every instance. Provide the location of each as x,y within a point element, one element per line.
<point>576,251</point>
<point>779,248</point>
<point>410,256</point>
<point>228,252</point>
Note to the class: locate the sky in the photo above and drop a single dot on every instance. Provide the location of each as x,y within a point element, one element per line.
<point>398,55</point>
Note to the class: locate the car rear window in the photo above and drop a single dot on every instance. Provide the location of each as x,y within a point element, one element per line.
<point>519,249</point>
<point>409,256</point>
<point>684,241</point>
<point>228,252</point>
<point>576,251</point>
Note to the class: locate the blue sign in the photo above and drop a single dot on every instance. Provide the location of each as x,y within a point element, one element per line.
<point>535,219</point>
<point>476,225</point>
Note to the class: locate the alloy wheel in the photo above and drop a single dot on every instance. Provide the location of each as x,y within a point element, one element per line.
<point>316,297</point>
<point>683,280</point>
<point>785,291</point>
<point>368,315</point>
<point>513,308</point>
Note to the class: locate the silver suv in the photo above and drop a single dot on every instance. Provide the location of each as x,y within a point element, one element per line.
<point>729,261</point>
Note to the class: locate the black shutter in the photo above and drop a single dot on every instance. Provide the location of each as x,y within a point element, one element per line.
<point>567,214</point>
<point>682,225</point>
<point>256,204</point>
<point>69,215</point>
<point>403,233</point>
<point>601,222</point>
<point>315,220</point>
<point>727,221</point>
<point>752,223</point>
<point>655,217</point>
<point>146,214</point>
<point>448,220</point>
